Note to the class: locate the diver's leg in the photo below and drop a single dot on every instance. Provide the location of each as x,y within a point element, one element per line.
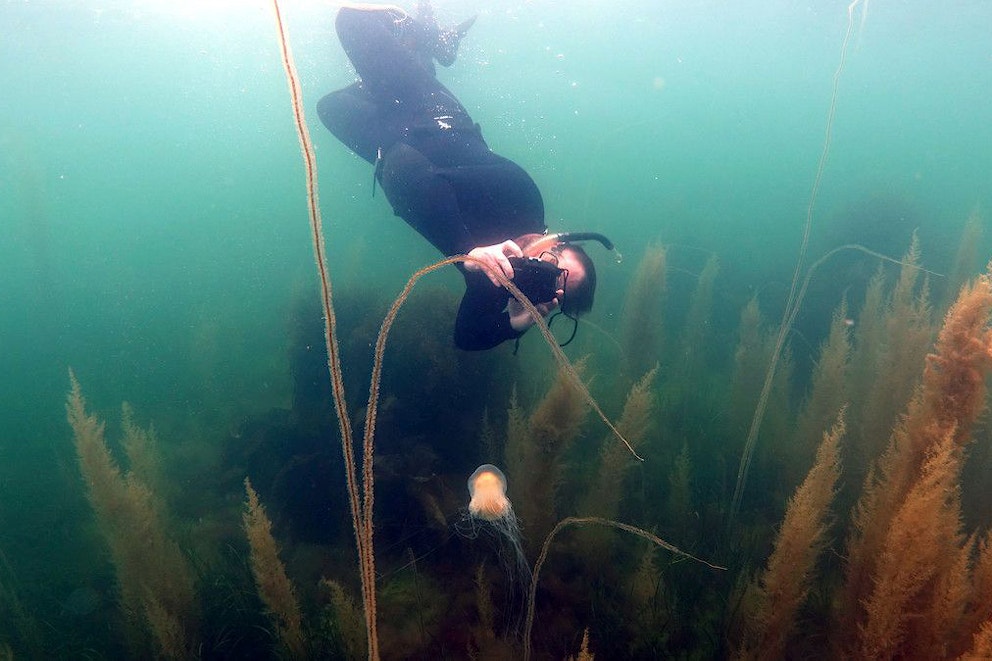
<point>352,116</point>
<point>425,200</point>
<point>497,199</point>
<point>382,46</point>
<point>442,45</point>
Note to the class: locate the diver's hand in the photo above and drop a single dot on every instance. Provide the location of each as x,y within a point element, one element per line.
<point>495,259</point>
<point>521,319</point>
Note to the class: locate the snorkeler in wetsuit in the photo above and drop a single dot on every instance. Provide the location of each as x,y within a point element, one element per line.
<point>440,176</point>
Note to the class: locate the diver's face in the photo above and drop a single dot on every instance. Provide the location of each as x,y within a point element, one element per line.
<point>565,259</point>
<point>576,271</point>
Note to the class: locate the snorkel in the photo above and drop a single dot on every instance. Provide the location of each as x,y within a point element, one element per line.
<point>548,241</point>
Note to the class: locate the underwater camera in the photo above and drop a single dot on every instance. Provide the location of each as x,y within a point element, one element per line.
<point>536,278</point>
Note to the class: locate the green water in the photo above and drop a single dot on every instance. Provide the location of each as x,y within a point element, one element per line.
<point>153,212</point>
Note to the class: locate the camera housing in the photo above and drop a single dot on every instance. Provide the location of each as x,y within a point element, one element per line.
<point>536,278</point>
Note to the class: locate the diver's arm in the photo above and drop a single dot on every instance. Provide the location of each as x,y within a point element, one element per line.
<point>482,321</point>
<point>521,319</point>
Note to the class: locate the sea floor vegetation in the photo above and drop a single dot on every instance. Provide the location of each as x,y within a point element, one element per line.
<point>862,532</point>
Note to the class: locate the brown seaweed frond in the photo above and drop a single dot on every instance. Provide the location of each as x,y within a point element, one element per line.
<point>979,607</point>
<point>696,330</point>
<point>908,332</point>
<point>153,575</point>
<point>785,583</point>
<point>614,461</point>
<point>274,587</point>
<point>349,619</point>
<point>954,378</point>
<point>981,647</point>
<point>869,344</point>
<point>643,313</point>
<point>750,362</point>
<point>535,452</point>
<point>679,504</point>
<point>827,393</point>
<point>924,532</point>
<point>21,626</point>
<point>141,447</point>
<point>966,261</point>
<point>584,653</point>
<point>914,486</point>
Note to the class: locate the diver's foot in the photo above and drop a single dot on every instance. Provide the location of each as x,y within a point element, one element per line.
<point>424,12</point>
<point>445,49</point>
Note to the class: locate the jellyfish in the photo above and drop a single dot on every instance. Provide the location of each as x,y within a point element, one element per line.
<point>491,513</point>
<point>487,488</point>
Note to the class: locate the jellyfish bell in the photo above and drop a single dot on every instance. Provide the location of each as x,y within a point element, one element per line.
<point>487,489</point>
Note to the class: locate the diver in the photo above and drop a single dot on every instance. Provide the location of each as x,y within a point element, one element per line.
<point>440,176</point>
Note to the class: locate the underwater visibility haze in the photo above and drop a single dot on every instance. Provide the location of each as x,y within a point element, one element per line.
<point>796,342</point>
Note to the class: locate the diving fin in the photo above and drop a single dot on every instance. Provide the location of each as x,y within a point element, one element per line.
<point>446,49</point>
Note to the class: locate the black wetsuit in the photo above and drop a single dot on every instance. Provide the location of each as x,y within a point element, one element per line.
<point>431,160</point>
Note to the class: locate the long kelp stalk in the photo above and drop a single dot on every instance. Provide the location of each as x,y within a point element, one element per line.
<point>795,297</point>
<point>361,510</point>
<point>591,521</point>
